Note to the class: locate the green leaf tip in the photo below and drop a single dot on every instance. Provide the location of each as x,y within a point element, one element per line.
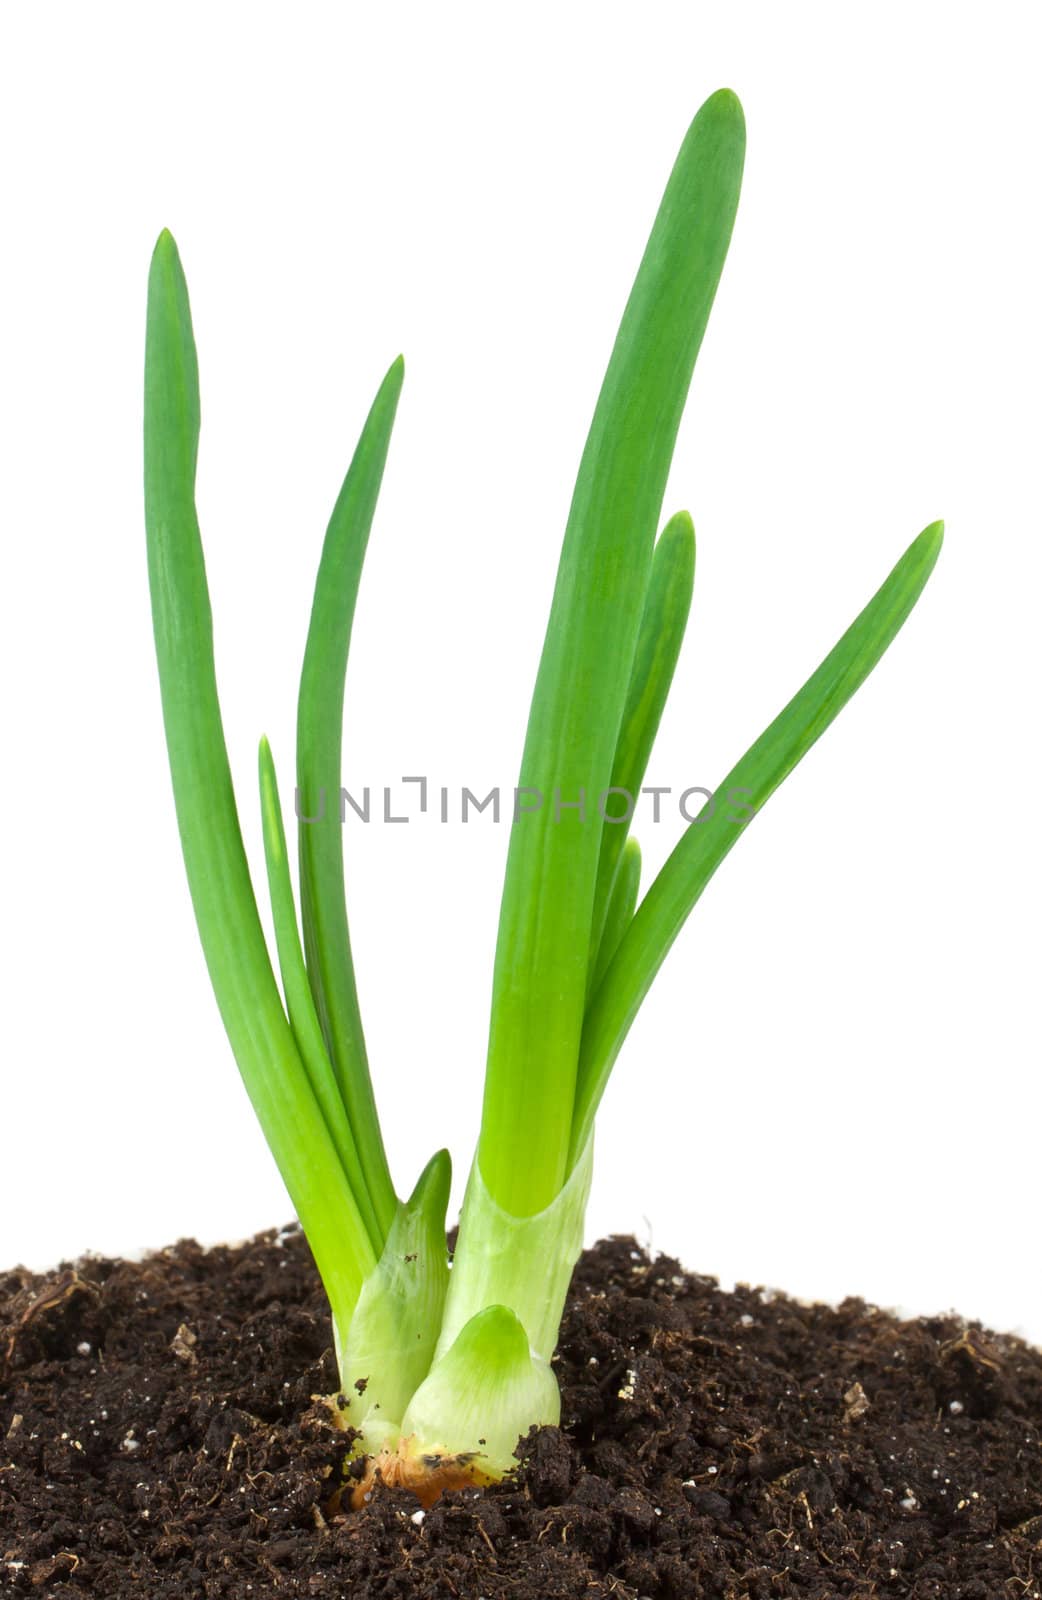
<point>722,117</point>
<point>166,262</point>
<point>680,525</point>
<point>390,386</point>
<point>725,102</point>
<point>431,1193</point>
<point>933,536</point>
<point>482,1396</point>
<point>269,788</point>
<point>498,1335</point>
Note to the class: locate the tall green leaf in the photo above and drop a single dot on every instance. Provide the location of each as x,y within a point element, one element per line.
<point>543,950</point>
<point>218,874</point>
<point>320,716</point>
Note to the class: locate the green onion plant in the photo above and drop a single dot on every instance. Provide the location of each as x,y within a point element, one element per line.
<point>441,1371</point>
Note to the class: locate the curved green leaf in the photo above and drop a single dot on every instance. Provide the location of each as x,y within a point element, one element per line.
<point>747,786</point>
<point>218,874</point>
<point>320,716</point>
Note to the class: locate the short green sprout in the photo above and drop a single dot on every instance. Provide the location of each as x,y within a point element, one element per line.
<point>442,1371</point>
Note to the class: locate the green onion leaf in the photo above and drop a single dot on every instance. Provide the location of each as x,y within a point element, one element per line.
<point>218,874</point>
<point>483,1396</point>
<point>707,840</point>
<point>389,1346</point>
<point>320,714</point>
<point>543,950</point>
<point>303,1017</point>
<point>620,911</point>
<point>658,646</point>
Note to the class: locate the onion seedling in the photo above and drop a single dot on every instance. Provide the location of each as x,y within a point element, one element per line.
<point>441,1372</point>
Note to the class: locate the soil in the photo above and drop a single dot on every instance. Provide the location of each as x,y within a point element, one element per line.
<point>159,1438</point>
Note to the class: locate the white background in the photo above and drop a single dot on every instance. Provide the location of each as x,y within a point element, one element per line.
<point>835,1087</point>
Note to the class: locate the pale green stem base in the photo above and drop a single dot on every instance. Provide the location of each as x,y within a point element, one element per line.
<point>524,1263</point>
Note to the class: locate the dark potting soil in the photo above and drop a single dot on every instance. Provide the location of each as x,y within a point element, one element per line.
<point>158,1437</point>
